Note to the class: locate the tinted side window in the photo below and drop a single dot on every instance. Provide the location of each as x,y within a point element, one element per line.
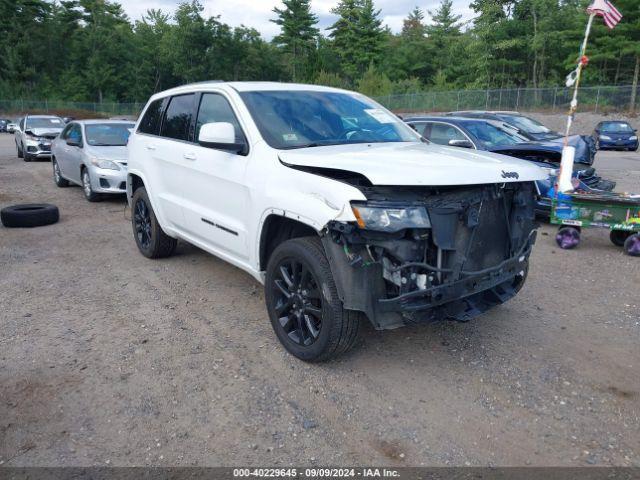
<point>216,108</point>
<point>150,123</point>
<point>75,133</point>
<point>177,119</point>
<point>420,128</point>
<point>65,133</point>
<point>442,133</point>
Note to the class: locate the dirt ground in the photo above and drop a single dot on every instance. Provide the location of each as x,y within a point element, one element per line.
<point>108,358</point>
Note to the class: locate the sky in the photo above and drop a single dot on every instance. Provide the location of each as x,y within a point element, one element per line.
<point>257,13</point>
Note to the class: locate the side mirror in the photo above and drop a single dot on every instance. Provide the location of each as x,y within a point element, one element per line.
<point>460,143</point>
<point>220,135</point>
<point>29,132</point>
<point>73,142</point>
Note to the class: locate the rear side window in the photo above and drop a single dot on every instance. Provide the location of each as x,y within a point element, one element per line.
<point>150,123</point>
<point>177,120</point>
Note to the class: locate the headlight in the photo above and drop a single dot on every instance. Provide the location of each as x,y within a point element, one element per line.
<point>633,137</point>
<point>107,164</point>
<point>605,137</point>
<point>390,219</point>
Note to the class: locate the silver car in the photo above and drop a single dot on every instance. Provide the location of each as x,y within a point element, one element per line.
<point>92,154</point>
<point>34,134</point>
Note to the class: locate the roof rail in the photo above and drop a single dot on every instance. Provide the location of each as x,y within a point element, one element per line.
<point>202,82</point>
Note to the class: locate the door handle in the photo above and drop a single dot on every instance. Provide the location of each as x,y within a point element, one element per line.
<point>189,156</point>
<point>150,146</point>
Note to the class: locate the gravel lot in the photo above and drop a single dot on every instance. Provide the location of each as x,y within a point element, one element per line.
<point>107,357</point>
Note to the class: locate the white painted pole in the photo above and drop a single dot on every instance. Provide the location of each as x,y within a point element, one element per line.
<point>568,153</point>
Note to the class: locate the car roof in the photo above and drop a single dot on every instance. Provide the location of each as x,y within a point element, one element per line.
<point>486,112</point>
<point>437,118</point>
<point>102,122</point>
<point>41,116</point>
<point>245,87</point>
<point>614,121</point>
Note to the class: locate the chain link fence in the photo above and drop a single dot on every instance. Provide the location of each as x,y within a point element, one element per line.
<point>602,99</point>
<point>17,108</point>
<point>591,99</point>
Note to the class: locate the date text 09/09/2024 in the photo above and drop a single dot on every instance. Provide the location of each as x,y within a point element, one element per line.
<point>316,472</point>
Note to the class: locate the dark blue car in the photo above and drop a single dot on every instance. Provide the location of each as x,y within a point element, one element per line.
<point>492,136</point>
<point>533,130</point>
<point>618,135</point>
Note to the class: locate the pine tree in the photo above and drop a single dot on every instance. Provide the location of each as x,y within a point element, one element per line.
<point>298,36</point>
<point>413,26</point>
<point>445,23</point>
<point>357,35</point>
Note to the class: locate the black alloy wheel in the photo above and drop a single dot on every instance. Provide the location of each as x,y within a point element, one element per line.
<point>298,303</point>
<point>142,223</point>
<point>151,240</point>
<point>304,307</point>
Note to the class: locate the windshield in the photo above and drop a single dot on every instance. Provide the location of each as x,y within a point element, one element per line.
<point>108,134</point>
<point>526,124</point>
<point>621,127</point>
<point>49,122</point>
<point>492,136</point>
<point>298,119</point>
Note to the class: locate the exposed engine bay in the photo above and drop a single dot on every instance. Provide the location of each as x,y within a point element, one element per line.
<point>466,253</point>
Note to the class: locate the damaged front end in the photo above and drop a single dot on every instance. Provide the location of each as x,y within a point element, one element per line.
<point>424,254</point>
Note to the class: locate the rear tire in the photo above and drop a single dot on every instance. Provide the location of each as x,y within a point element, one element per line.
<point>57,175</point>
<point>149,236</point>
<point>618,237</point>
<point>303,304</point>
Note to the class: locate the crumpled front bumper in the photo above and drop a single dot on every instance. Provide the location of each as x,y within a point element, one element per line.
<point>498,284</point>
<point>473,257</point>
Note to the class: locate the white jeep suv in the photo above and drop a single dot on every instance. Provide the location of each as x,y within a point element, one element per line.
<point>334,204</point>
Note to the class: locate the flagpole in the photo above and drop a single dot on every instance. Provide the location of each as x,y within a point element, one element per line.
<point>574,101</point>
<point>563,180</point>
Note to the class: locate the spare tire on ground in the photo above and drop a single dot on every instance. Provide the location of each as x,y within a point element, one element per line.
<point>29,215</point>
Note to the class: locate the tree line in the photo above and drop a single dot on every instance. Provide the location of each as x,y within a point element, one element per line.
<point>89,50</point>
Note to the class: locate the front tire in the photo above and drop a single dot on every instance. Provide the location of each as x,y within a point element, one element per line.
<point>20,151</point>
<point>57,175</point>
<point>87,189</point>
<point>150,238</point>
<point>303,304</point>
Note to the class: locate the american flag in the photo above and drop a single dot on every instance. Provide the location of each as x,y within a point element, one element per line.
<point>607,11</point>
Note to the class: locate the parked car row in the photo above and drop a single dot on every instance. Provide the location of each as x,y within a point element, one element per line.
<point>491,133</point>
<point>344,212</point>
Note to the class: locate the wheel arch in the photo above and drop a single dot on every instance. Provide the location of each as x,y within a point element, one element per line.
<point>278,228</point>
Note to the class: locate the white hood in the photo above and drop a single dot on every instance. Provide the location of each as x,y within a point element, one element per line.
<point>416,164</point>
